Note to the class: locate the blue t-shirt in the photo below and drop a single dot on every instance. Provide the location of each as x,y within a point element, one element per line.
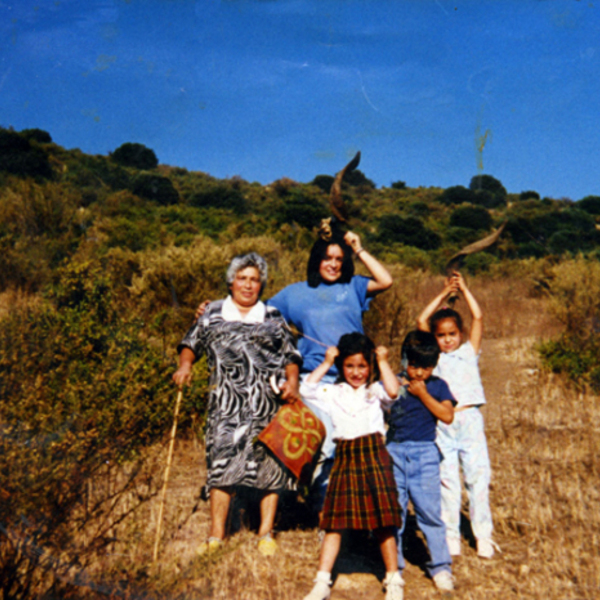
<point>324,313</point>
<point>410,420</point>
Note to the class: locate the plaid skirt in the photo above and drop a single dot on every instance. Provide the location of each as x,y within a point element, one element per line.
<point>362,492</point>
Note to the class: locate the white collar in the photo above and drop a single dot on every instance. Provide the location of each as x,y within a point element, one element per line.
<point>230,312</point>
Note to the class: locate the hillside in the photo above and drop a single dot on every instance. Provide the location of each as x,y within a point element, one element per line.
<point>102,262</point>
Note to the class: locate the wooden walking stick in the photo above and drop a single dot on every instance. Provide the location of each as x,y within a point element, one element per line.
<point>167,471</point>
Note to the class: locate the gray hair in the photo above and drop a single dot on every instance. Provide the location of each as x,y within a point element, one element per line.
<point>244,261</point>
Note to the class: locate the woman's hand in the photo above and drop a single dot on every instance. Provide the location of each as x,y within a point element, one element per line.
<point>290,391</point>
<point>183,375</point>
<point>353,240</point>
<point>201,309</point>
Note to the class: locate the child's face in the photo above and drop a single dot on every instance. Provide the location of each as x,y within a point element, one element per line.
<point>448,335</point>
<point>419,373</point>
<point>356,370</point>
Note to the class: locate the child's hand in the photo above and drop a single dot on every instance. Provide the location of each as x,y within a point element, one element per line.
<point>416,388</point>
<point>382,353</point>
<point>331,354</point>
<point>458,281</point>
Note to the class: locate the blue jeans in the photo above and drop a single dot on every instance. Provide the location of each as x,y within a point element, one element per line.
<point>417,475</point>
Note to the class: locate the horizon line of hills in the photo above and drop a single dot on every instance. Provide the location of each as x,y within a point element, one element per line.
<point>52,200</point>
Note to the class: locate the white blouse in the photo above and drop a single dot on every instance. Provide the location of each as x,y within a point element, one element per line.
<point>354,412</point>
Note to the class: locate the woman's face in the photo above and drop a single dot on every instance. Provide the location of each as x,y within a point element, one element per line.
<point>330,269</point>
<point>356,370</point>
<point>245,288</point>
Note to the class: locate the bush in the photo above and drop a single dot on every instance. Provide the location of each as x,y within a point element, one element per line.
<point>19,157</point>
<point>39,135</point>
<point>471,217</point>
<point>398,185</point>
<point>589,204</point>
<point>82,391</point>
<point>409,231</point>
<point>220,195</point>
<point>302,208</point>
<point>136,156</point>
<point>457,194</point>
<point>529,195</point>
<point>155,187</point>
<point>487,183</point>
<point>324,182</point>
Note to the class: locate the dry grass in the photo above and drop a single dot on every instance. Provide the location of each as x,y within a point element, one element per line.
<point>543,440</point>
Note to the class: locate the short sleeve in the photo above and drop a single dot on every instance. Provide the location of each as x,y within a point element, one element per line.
<point>359,285</point>
<point>291,355</point>
<point>193,339</point>
<point>280,302</point>
<point>443,392</point>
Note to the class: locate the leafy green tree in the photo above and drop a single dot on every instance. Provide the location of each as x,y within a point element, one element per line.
<point>155,187</point>
<point>409,231</point>
<point>589,204</point>
<point>398,185</point>
<point>19,157</point>
<point>302,208</point>
<point>529,195</point>
<point>488,183</point>
<point>135,155</point>
<point>220,195</point>
<point>323,182</point>
<point>357,178</point>
<point>457,194</point>
<point>39,135</point>
<point>471,217</point>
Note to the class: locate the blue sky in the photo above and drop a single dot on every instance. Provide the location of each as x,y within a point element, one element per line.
<point>431,91</point>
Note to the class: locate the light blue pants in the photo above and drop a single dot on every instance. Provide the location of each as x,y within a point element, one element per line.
<point>417,475</point>
<point>464,447</point>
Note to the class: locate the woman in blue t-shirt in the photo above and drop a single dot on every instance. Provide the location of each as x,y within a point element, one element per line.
<point>329,304</point>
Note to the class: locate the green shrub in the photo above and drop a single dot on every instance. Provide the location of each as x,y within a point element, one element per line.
<point>134,155</point>
<point>155,187</point>
<point>457,194</point>
<point>19,157</point>
<point>83,389</point>
<point>471,217</point>
<point>409,231</point>
<point>220,195</point>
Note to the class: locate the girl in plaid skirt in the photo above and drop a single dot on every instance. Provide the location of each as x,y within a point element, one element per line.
<point>361,493</point>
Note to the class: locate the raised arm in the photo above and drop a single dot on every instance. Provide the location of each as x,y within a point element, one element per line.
<point>476,314</point>
<point>391,385</point>
<point>322,369</point>
<point>382,280</point>
<point>423,320</point>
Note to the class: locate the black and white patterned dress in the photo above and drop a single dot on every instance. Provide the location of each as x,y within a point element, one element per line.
<point>242,357</point>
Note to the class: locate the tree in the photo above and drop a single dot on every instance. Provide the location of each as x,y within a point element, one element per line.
<point>487,182</point>
<point>409,231</point>
<point>19,157</point>
<point>529,195</point>
<point>324,182</point>
<point>457,194</point>
<point>155,187</point>
<point>589,204</point>
<point>39,135</point>
<point>471,217</point>
<point>398,185</point>
<point>135,155</point>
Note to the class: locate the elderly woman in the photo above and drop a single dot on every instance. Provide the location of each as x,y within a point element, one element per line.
<point>246,343</point>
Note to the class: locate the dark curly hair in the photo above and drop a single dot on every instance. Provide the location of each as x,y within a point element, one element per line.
<point>319,253</point>
<point>356,343</point>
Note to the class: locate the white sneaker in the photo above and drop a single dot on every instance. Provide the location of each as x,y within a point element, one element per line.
<point>394,586</point>
<point>485,548</point>
<point>444,581</point>
<point>321,590</point>
<point>453,546</point>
